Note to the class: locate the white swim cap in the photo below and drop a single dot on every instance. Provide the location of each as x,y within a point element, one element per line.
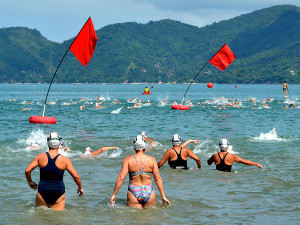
<point>224,144</point>
<point>88,151</point>
<point>144,134</point>
<point>53,140</point>
<point>176,139</point>
<point>139,143</point>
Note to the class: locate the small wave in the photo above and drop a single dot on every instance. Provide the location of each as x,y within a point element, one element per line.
<point>270,136</point>
<point>112,154</point>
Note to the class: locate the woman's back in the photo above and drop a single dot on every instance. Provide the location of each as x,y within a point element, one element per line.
<point>183,152</point>
<point>60,162</point>
<point>140,168</point>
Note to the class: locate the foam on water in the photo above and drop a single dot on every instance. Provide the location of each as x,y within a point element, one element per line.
<point>269,136</point>
<point>37,136</point>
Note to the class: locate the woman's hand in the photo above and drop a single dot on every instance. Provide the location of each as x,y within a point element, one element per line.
<point>113,199</point>
<point>165,200</point>
<point>33,185</point>
<point>80,191</point>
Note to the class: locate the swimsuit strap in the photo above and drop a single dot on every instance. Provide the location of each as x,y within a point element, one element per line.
<point>141,171</point>
<point>49,157</point>
<point>220,156</point>
<point>177,152</point>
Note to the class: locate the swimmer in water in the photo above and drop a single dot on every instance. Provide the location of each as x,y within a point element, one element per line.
<point>224,160</point>
<point>140,166</point>
<point>88,150</point>
<point>116,101</point>
<point>252,100</point>
<point>51,189</point>
<point>35,146</point>
<point>177,156</point>
<point>149,141</point>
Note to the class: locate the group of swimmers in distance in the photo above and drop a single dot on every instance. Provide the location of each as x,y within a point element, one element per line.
<point>51,188</point>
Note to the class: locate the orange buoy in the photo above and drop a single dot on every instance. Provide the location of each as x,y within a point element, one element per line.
<point>42,119</point>
<point>235,86</point>
<point>181,107</point>
<point>210,85</point>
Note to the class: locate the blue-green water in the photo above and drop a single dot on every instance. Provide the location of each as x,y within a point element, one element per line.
<point>248,195</point>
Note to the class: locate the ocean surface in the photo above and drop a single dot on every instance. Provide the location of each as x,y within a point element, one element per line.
<point>269,135</point>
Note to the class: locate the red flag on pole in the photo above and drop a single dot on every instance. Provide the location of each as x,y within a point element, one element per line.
<point>223,58</point>
<point>84,44</point>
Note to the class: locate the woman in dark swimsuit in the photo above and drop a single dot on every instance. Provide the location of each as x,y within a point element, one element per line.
<point>51,189</point>
<point>224,160</point>
<point>177,156</point>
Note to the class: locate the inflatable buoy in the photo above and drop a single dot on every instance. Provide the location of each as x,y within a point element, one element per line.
<point>42,119</point>
<point>235,86</point>
<point>181,107</point>
<point>210,85</point>
<point>146,93</point>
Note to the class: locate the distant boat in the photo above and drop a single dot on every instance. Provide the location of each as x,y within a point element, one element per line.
<point>146,93</point>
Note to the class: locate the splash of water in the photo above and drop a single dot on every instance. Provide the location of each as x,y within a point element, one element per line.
<point>270,136</point>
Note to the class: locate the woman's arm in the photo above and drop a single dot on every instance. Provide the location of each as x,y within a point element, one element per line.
<point>211,160</point>
<point>247,162</point>
<point>189,141</point>
<point>164,159</point>
<point>29,169</point>
<point>196,158</point>
<point>159,183</point>
<point>70,168</point>
<point>122,175</point>
<point>103,149</point>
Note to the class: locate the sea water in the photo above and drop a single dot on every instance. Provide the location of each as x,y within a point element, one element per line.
<point>268,135</point>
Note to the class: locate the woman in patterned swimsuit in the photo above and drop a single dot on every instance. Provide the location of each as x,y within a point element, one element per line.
<point>140,166</point>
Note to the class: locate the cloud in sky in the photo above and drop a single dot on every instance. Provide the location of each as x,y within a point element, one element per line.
<point>59,20</point>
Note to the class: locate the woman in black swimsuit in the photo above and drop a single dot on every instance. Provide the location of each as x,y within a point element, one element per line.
<point>177,156</point>
<point>224,160</point>
<point>51,189</point>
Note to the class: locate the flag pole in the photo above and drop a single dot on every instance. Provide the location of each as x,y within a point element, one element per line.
<point>52,81</point>
<point>199,73</point>
<point>59,65</point>
<point>194,79</point>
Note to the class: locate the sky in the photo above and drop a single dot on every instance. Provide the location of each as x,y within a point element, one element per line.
<point>60,20</point>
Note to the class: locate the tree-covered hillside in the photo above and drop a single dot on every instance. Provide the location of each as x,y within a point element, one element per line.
<point>266,43</point>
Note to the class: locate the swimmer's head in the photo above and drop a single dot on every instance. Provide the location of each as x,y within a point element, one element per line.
<point>53,140</point>
<point>87,151</point>
<point>139,143</point>
<point>176,140</point>
<point>224,144</point>
<point>144,134</point>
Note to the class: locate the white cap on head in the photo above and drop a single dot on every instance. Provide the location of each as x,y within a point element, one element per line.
<point>144,134</point>
<point>223,144</point>
<point>53,140</point>
<point>176,140</point>
<point>87,151</point>
<point>139,143</point>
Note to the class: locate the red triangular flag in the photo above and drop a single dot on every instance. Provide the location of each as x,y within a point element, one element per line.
<point>84,44</point>
<point>223,58</point>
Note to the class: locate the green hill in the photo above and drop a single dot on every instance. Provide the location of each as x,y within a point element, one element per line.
<point>266,43</point>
